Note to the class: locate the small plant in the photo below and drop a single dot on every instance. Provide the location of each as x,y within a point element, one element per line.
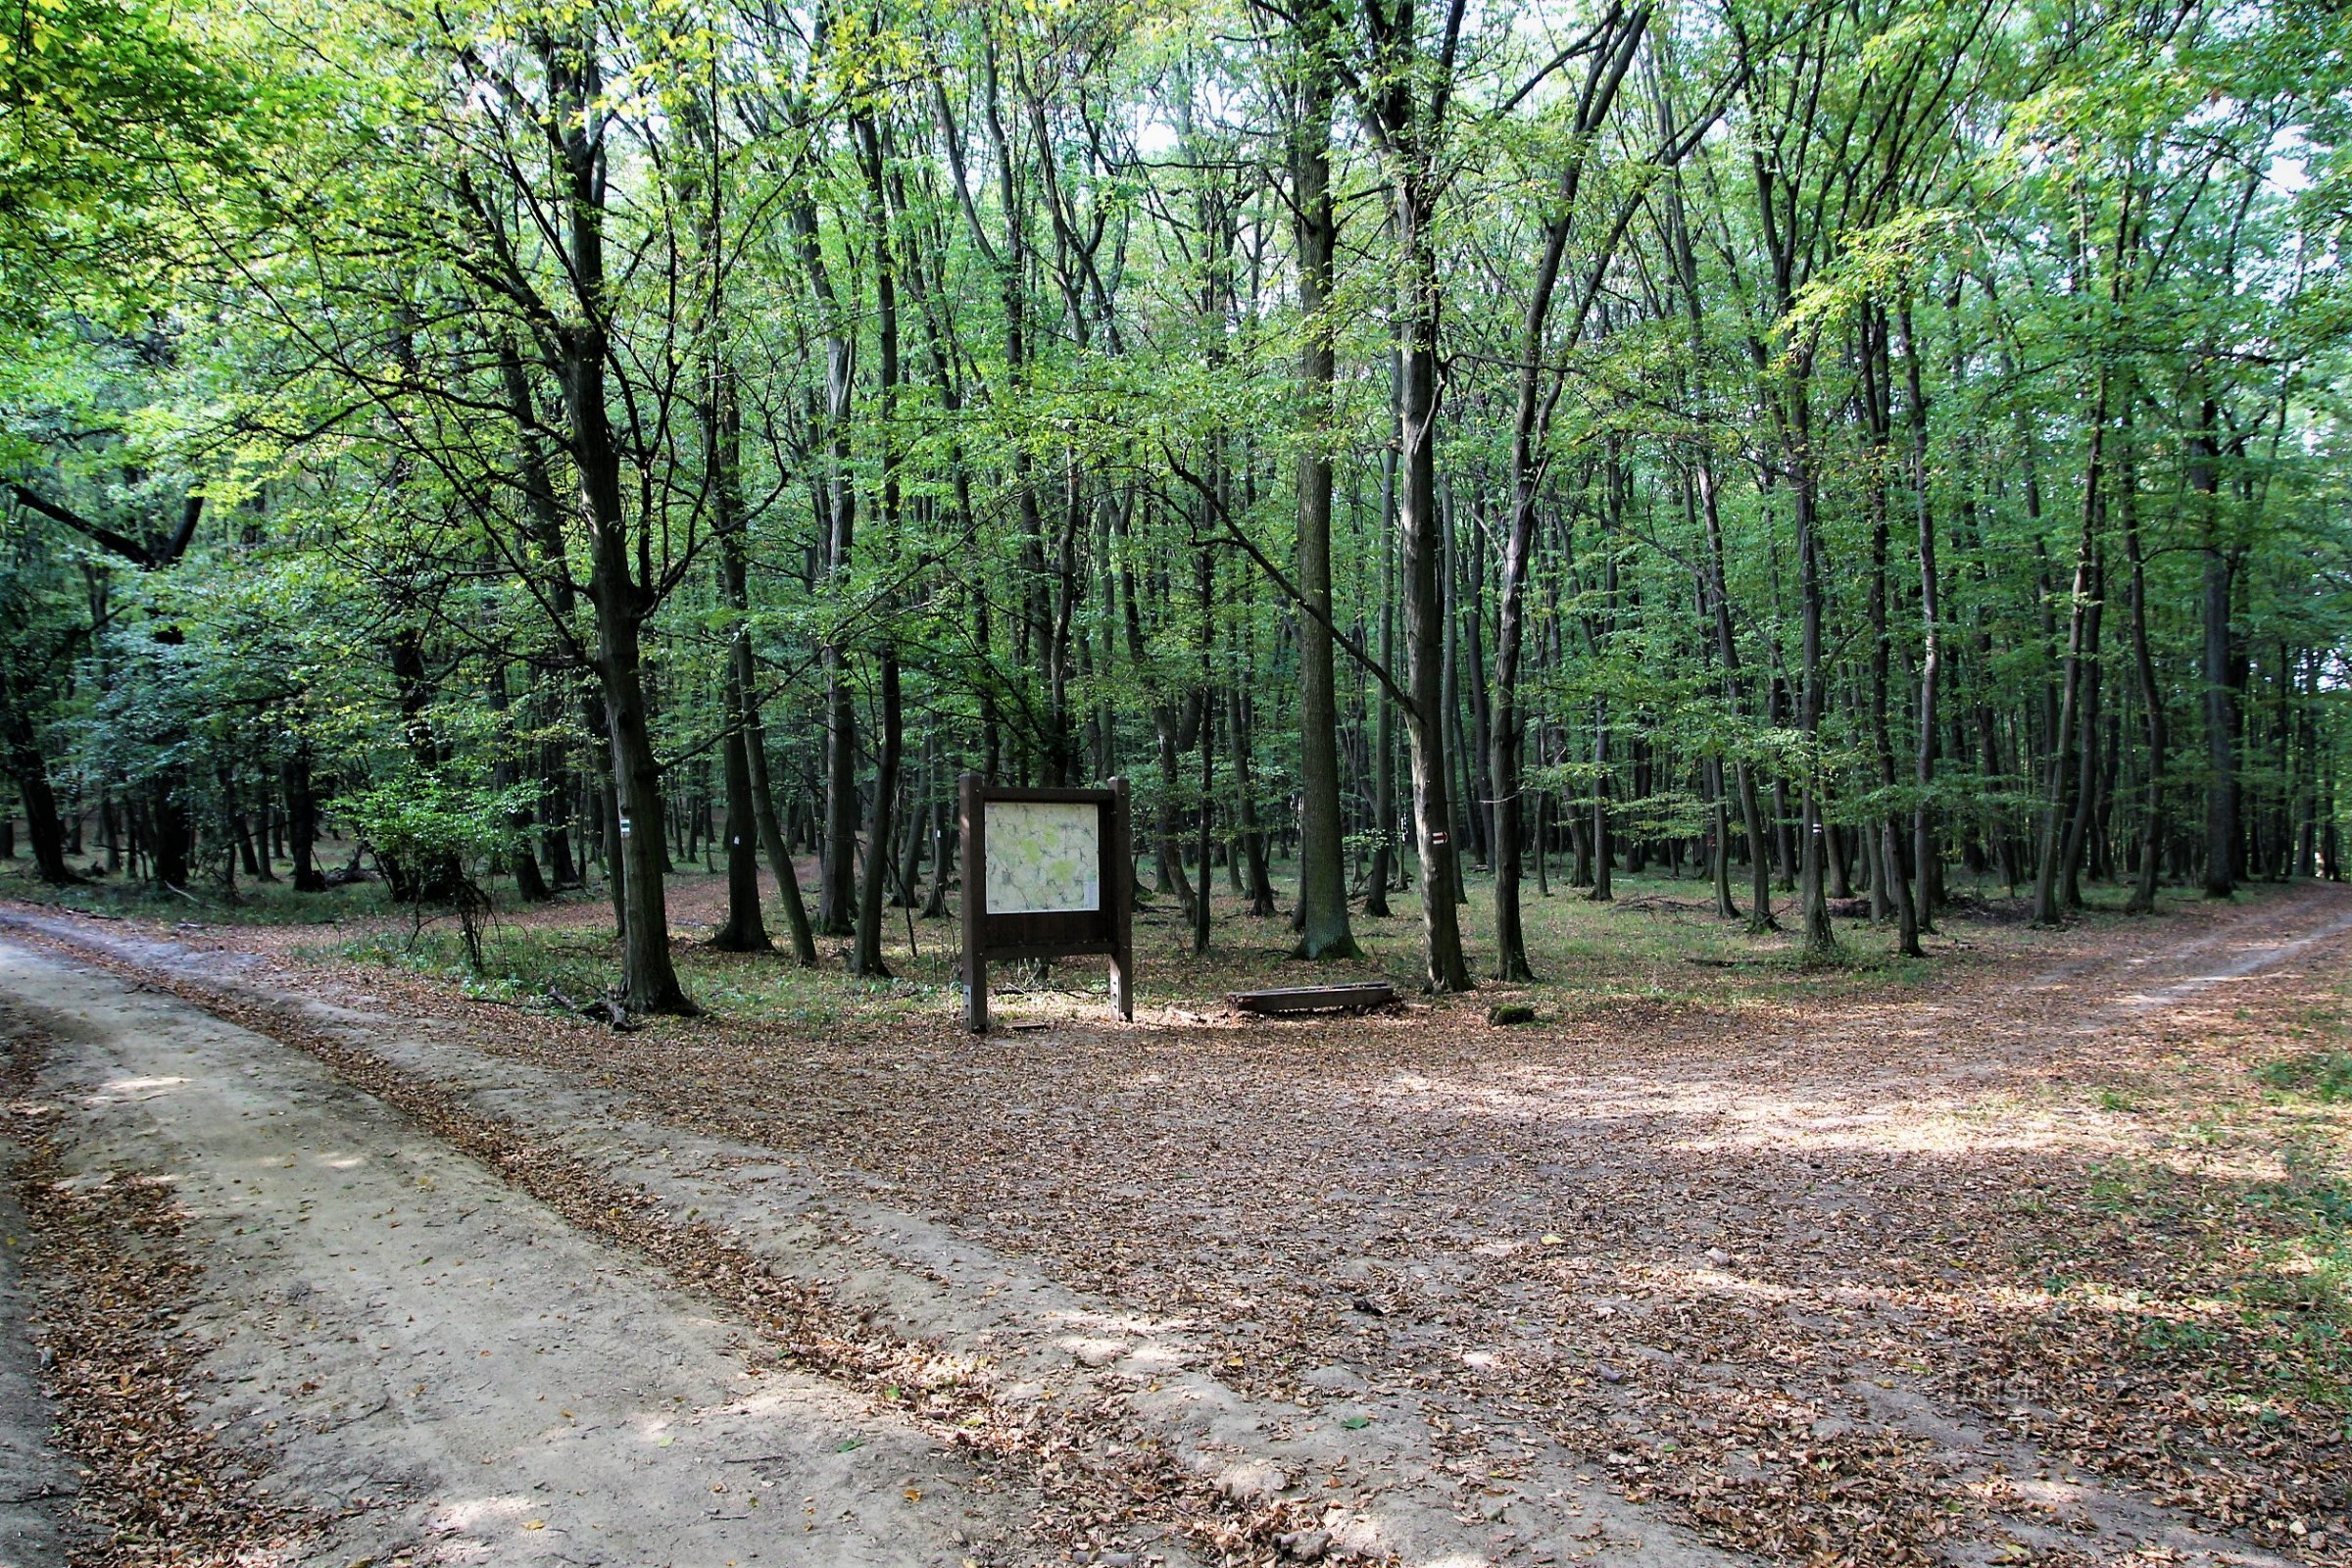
<point>2163,1338</point>
<point>430,830</point>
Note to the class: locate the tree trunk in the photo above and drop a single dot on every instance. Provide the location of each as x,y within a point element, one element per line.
<point>649,978</point>
<point>650,982</point>
<point>745,930</point>
<point>2220,696</point>
<point>1813,900</point>
<point>1604,849</point>
<point>1383,722</point>
<point>1422,536</point>
<point>865,960</point>
<point>1324,930</point>
<point>1927,854</point>
<point>1889,885</point>
<point>2063,723</point>
<point>30,770</point>
<point>302,821</point>
<point>168,819</point>
<point>2088,772</point>
<point>773,843</point>
<point>1719,842</point>
<point>2152,717</point>
<point>1249,845</point>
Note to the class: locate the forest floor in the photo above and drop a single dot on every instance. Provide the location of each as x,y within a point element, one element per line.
<point>2035,1252</point>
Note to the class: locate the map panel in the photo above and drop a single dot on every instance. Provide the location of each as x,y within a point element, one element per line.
<point>1043,856</point>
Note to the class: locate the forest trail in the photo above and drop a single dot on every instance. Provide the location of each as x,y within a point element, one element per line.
<point>441,1368</point>
<point>1672,1289</point>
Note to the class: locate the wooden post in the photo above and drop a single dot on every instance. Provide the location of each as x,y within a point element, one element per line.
<point>1117,876</point>
<point>972,822</point>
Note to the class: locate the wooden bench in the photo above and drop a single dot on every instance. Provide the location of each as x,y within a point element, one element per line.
<point>1359,998</point>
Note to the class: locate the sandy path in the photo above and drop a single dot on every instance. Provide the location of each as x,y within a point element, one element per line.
<point>408,1338</point>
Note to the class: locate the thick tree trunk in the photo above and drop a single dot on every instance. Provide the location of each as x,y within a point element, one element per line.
<point>1324,931</point>
<point>167,821</point>
<point>650,980</point>
<point>1422,536</point>
<point>302,821</point>
<point>30,770</point>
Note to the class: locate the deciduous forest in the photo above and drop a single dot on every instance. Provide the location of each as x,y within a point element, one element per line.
<point>1690,657</point>
<point>1840,449</point>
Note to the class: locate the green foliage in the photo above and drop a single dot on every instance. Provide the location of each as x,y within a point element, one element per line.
<point>2325,1076</point>
<point>311,264</point>
<point>421,815</point>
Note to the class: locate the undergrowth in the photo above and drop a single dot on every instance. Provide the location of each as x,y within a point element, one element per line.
<point>2323,1075</point>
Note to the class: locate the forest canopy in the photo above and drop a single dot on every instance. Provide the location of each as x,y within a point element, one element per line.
<point>1838,445</point>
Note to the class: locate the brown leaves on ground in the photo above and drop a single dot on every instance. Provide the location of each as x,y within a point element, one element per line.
<point>1869,1278</point>
<point>1094,1490</point>
<point>109,1279</point>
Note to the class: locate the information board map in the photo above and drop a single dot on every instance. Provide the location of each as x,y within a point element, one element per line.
<point>1043,856</point>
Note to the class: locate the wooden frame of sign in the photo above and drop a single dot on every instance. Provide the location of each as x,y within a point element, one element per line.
<point>1064,912</point>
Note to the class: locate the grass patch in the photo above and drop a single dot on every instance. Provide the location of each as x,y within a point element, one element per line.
<point>518,966</point>
<point>2284,1283</point>
<point>249,903</point>
<point>538,964</point>
<point>2302,1297</point>
<point>1658,945</point>
<point>2323,1075</point>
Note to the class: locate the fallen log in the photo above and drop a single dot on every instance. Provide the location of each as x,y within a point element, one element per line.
<point>1361,997</point>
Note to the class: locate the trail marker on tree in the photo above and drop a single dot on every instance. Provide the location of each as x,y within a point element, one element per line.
<point>1046,876</point>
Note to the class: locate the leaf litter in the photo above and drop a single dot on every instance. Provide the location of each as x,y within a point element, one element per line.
<point>1879,1282</point>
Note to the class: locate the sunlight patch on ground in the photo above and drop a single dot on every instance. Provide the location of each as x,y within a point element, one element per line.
<point>471,1513</point>
<point>128,1086</point>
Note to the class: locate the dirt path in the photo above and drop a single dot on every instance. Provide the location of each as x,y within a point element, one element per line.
<point>38,1484</point>
<point>1657,1288</point>
<point>445,1369</point>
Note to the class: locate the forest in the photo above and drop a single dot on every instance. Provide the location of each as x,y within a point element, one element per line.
<point>1854,452</point>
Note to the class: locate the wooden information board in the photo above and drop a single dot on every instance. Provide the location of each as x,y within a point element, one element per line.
<point>1045,877</point>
